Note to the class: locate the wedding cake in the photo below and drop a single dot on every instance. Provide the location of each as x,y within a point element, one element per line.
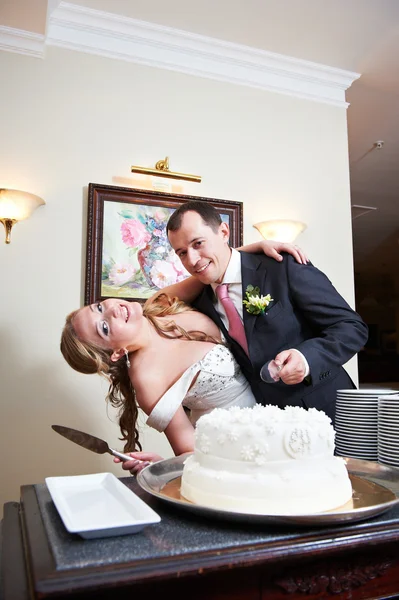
<point>266,460</point>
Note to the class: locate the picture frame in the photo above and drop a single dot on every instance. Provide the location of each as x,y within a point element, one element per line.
<point>128,254</point>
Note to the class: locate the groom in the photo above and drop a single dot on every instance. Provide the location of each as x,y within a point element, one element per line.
<point>308,329</point>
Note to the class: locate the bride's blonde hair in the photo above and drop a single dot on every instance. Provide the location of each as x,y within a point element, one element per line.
<point>90,358</point>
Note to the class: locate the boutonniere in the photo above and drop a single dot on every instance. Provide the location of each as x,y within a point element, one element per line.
<point>255,303</point>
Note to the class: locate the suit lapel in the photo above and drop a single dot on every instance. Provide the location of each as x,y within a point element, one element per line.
<point>251,274</point>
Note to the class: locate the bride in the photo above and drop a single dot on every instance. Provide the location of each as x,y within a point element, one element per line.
<point>162,357</point>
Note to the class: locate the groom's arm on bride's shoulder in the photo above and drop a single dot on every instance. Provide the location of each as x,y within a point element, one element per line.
<point>273,248</point>
<point>186,290</point>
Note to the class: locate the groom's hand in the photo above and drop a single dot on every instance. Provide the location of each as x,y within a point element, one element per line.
<point>292,366</point>
<point>273,248</point>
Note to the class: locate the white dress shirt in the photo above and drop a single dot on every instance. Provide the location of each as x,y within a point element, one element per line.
<point>233,278</point>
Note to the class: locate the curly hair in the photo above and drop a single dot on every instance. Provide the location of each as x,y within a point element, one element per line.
<point>89,358</point>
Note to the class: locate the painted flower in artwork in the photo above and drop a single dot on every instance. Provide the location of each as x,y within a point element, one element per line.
<point>121,273</point>
<point>139,260</point>
<point>163,273</point>
<point>181,271</point>
<point>134,233</point>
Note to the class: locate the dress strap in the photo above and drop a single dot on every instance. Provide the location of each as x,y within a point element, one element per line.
<point>166,407</point>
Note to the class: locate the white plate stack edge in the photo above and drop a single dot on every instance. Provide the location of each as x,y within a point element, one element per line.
<point>388,429</point>
<point>356,422</point>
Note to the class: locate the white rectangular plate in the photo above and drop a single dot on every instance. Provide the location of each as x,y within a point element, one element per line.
<point>99,505</point>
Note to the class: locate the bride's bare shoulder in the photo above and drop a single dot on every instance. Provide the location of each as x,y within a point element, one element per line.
<point>148,395</point>
<point>198,321</point>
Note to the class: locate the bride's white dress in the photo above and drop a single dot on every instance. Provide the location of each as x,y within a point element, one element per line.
<point>220,384</point>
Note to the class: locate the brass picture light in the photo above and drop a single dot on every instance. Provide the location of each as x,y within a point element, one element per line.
<point>162,170</point>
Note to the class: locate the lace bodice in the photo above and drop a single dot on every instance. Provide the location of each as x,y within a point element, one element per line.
<point>219,384</point>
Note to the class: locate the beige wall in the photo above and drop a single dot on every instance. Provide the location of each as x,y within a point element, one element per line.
<point>71,119</point>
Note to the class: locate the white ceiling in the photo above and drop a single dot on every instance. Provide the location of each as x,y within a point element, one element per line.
<point>355,35</point>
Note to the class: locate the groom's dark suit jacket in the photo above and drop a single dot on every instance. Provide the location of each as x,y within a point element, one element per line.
<point>307,313</point>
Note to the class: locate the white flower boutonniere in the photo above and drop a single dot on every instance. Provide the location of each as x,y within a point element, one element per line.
<point>255,303</point>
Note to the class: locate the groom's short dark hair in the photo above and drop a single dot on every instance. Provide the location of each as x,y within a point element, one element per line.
<point>207,212</point>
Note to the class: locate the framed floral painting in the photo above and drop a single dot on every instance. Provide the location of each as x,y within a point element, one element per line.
<point>128,254</point>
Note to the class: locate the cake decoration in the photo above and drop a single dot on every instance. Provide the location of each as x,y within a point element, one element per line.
<point>266,460</point>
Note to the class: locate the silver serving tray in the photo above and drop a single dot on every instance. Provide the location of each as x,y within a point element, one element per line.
<point>375,490</point>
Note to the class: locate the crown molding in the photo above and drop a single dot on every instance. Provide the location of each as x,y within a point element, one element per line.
<point>22,42</point>
<point>113,36</point>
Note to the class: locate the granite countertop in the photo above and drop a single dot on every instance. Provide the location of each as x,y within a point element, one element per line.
<point>182,535</point>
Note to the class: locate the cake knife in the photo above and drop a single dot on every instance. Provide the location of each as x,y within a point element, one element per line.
<point>88,441</point>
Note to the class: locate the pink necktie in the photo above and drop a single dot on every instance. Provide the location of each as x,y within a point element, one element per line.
<point>236,327</point>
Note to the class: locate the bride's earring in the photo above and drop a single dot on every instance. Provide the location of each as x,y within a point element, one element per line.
<point>127,359</point>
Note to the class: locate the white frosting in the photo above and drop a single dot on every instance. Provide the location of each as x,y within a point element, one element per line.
<point>266,460</point>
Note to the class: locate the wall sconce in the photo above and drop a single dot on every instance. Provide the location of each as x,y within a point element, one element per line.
<point>280,229</point>
<point>16,206</point>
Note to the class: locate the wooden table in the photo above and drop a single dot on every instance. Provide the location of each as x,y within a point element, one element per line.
<point>194,557</point>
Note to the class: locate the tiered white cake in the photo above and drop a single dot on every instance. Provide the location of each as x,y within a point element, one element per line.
<point>266,460</point>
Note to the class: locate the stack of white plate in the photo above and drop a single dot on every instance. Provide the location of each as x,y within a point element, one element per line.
<point>356,422</point>
<point>388,430</point>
